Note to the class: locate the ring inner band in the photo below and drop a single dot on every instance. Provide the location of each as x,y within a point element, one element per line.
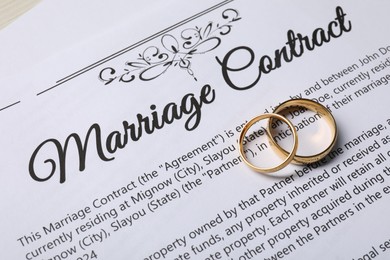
<point>289,155</point>
<point>315,107</point>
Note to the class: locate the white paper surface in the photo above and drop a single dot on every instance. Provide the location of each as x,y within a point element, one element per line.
<point>178,189</point>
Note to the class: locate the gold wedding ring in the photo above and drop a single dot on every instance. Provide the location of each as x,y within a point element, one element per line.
<point>289,155</point>
<point>315,107</point>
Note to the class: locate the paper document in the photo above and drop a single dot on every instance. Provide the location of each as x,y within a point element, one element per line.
<point>133,153</point>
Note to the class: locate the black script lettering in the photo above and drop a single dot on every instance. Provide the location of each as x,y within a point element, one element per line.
<point>226,68</point>
<point>190,105</point>
<point>114,141</point>
<point>207,96</point>
<point>295,46</point>
<point>61,152</point>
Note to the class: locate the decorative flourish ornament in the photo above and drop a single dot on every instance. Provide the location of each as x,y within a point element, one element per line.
<point>173,52</point>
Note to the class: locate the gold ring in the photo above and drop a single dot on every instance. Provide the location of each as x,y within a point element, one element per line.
<point>290,155</point>
<point>313,106</point>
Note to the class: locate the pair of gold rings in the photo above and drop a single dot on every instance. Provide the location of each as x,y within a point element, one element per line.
<point>292,156</point>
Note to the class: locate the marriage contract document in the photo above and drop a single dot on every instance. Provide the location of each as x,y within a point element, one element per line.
<point>124,146</point>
